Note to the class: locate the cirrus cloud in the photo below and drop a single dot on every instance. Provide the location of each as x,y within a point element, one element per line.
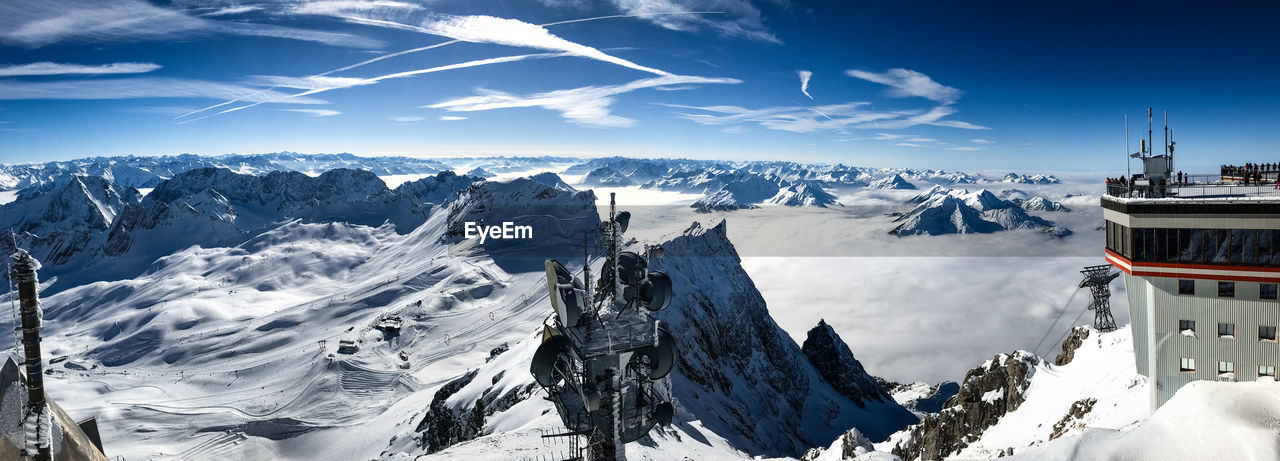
<point>587,106</point>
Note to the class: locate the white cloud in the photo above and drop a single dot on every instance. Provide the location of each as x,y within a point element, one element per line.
<point>907,83</point>
<point>342,7</point>
<point>36,24</point>
<point>965,148</point>
<point>143,87</point>
<point>804,81</point>
<point>315,112</point>
<point>307,83</point>
<point>54,68</point>
<point>932,117</point>
<point>586,106</point>
<point>324,84</point>
<point>981,141</point>
<point>512,32</point>
<point>736,129</point>
<point>407,118</point>
<point>232,10</point>
<point>833,117</point>
<point>907,144</point>
<point>732,18</point>
<point>451,118</point>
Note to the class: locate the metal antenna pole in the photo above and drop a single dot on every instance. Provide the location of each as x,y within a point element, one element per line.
<point>1128,173</point>
<point>1148,132</point>
<point>24,269</point>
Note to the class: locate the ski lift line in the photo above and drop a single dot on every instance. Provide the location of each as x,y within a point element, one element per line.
<point>1056,319</point>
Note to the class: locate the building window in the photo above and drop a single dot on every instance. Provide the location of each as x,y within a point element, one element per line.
<point>1267,291</point>
<point>1226,289</point>
<point>1266,370</point>
<point>1187,327</point>
<point>1266,333</point>
<point>1226,367</point>
<point>1188,364</point>
<point>1227,330</point>
<point>1186,287</point>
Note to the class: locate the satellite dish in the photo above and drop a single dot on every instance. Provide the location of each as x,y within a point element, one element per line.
<point>571,301</point>
<point>563,275</point>
<point>547,359</point>
<point>659,292</point>
<point>660,358</point>
<point>623,219</point>
<point>663,413</point>
<point>631,267</point>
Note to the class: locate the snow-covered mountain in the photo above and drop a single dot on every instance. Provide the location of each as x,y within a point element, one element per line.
<point>895,181</point>
<point>742,386</point>
<point>1016,178</point>
<point>57,220</point>
<point>1032,202</point>
<point>804,193</point>
<point>948,211</point>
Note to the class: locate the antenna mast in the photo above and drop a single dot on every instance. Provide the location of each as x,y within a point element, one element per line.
<point>24,270</point>
<point>1150,140</point>
<point>1128,172</point>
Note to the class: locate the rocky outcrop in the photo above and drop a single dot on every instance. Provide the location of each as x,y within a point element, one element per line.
<point>742,376</point>
<point>835,362</point>
<point>1069,345</point>
<point>1072,420</point>
<point>446,424</point>
<point>987,393</point>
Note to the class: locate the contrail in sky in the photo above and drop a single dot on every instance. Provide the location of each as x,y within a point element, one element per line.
<point>410,51</point>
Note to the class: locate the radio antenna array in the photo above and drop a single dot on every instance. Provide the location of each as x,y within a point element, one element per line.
<point>608,374</point>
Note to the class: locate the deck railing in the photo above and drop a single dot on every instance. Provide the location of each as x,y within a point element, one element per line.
<point>1199,186</point>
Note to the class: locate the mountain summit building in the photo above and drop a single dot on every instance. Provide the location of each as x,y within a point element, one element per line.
<point>1201,258</point>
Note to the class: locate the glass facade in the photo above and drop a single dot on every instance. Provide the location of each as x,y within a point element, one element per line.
<point>1248,247</point>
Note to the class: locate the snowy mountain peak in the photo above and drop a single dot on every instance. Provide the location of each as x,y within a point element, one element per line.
<point>950,211</point>
<point>894,181</point>
<point>834,361</point>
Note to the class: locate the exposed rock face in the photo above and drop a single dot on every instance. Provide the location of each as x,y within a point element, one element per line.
<point>988,393</point>
<point>1069,345</point>
<point>446,424</point>
<point>835,362</point>
<point>741,375</point>
<point>60,219</point>
<point>1072,419</point>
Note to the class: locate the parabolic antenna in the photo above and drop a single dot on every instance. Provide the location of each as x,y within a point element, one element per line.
<point>664,413</point>
<point>623,219</point>
<point>660,357</point>
<point>658,292</point>
<point>630,268</point>
<point>547,362</point>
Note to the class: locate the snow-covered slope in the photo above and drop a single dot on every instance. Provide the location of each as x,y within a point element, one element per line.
<point>741,385</point>
<point>58,220</point>
<point>217,353</point>
<point>962,212</point>
<point>806,193</point>
<point>1016,178</point>
<point>894,181</point>
<point>1205,420</point>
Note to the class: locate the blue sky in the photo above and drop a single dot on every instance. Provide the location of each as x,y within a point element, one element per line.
<point>969,85</point>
